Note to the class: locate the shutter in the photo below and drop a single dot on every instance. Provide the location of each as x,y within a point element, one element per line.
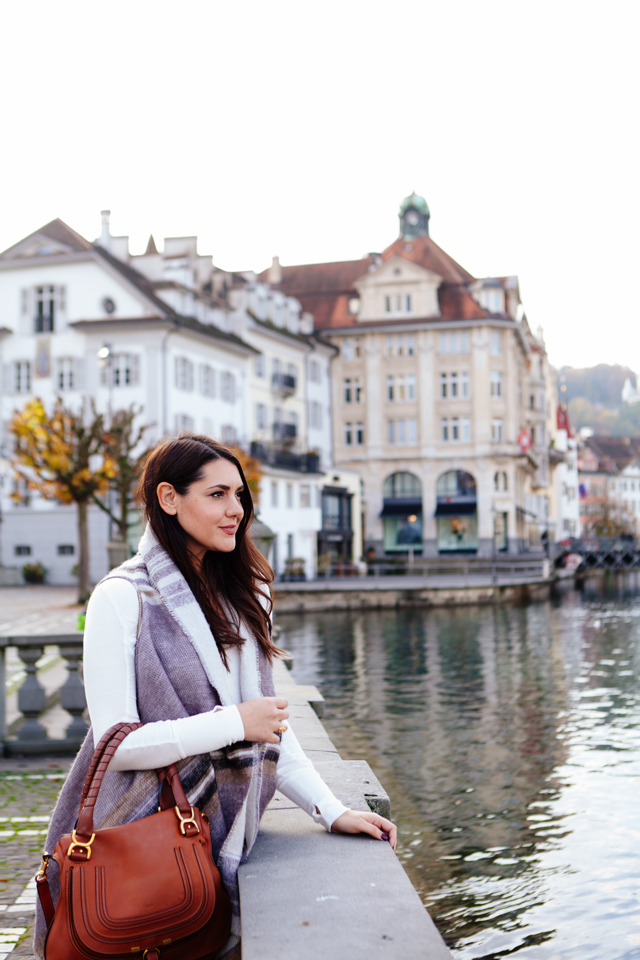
<point>177,371</point>
<point>189,375</point>
<point>24,300</point>
<point>135,369</point>
<point>232,388</point>
<point>78,366</point>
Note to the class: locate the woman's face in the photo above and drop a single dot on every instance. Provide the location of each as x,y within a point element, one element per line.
<point>210,511</point>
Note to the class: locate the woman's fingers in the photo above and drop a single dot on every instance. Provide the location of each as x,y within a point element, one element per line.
<point>373,824</point>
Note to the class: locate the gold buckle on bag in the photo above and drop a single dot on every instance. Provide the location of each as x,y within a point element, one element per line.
<point>185,820</point>
<point>42,872</point>
<point>80,844</point>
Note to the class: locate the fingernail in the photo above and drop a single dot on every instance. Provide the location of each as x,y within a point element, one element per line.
<point>385,836</point>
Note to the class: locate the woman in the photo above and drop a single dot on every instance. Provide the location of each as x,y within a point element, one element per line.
<point>178,637</point>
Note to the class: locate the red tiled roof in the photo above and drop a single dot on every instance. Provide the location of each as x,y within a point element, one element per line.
<point>426,253</point>
<point>316,278</point>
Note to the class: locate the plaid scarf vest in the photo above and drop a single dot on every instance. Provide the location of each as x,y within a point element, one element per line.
<point>179,673</point>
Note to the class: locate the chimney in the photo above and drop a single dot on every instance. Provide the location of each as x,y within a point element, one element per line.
<point>274,273</point>
<point>105,235</point>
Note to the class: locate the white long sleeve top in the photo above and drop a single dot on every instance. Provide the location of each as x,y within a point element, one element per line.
<point>110,683</point>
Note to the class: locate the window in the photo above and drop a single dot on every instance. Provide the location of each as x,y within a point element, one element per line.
<point>401,432</point>
<point>407,303</point>
<point>400,345</point>
<point>47,301</point>
<point>228,388</point>
<point>357,347</point>
<point>500,481</point>
<point>455,428</point>
<point>390,347</point>
<point>353,305</point>
<point>260,365</point>
<point>22,376</point>
<point>347,391</point>
<point>348,434</point>
<point>360,434</point>
<point>65,373</point>
<point>412,430</point>
<point>207,380</point>
<point>389,388</point>
<point>464,385</point>
<point>184,373</point>
<point>400,388</point>
<point>66,549</point>
<point>357,390</point>
<point>496,431</point>
<point>229,433</point>
<point>496,343</point>
<point>125,370</point>
<point>315,415</point>
<point>261,416</point>
<point>305,495</point>
<point>314,371</point>
<point>274,493</point>
<point>22,551</point>
<point>391,431</point>
<point>411,345</point>
<point>465,427</point>
<point>453,379</point>
<point>207,426</point>
<point>443,386</point>
<point>347,350</point>
<point>444,429</point>
<point>289,493</point>
<point>183,422</point>
<point>454,342</point>
<point>496,384</point>
<point>387,304</point>
<point>411,387</point>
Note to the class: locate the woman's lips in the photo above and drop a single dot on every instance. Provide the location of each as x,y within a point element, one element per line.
<point>229,530</point>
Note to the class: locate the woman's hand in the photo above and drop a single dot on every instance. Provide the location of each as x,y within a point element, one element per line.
<point>262,717</point>
<point>354,821</point>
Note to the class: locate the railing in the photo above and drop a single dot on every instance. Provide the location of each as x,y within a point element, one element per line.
<point>280,456</point>
<point>469,567</point>
<point>31,736</point>
<point>284,384</point>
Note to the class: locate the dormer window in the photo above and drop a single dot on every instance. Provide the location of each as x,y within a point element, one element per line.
<point>398,304</point>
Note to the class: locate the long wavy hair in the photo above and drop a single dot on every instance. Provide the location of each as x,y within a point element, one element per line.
<point>228,586</point>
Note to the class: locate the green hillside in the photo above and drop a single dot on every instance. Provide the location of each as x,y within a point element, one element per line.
<point>593,395</point>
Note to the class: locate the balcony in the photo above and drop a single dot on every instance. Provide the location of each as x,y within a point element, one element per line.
<point>283,384</point>
<point>286,432</point>
<point>279,455</point>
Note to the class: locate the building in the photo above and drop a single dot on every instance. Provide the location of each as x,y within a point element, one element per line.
<point>443,399</point>
<point>609,484</point>
<point>192,346</point>
<point>566,506</point>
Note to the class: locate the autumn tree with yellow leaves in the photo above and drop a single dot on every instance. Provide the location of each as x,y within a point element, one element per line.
<point>63,456</point>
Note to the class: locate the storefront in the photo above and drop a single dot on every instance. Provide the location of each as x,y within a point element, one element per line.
<point>456,513</point>
<point>402,513</point>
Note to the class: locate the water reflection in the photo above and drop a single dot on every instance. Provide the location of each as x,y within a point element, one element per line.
<point>508,739</point>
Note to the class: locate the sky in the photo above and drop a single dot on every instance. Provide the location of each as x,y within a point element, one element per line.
<point>296,129</point>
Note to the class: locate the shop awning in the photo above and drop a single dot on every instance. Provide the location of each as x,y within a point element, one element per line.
<point>401,507</point>
<point>464,509</point>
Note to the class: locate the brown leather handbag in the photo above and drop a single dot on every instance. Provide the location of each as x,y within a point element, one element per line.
<point>147,889</point>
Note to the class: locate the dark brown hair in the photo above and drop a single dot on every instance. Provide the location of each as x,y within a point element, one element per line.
<point>228,586</point>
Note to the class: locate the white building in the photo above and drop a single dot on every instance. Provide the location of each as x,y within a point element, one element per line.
<point>194,347</point>
<point>567,488</point>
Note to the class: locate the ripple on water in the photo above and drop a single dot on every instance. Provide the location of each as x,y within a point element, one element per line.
<point>509,741</point>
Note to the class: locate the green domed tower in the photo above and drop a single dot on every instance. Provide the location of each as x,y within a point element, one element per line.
<point>414,217</point>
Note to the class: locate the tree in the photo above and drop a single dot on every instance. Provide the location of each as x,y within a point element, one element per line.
<point>252,470</point>
<point>62,455</point>
<point>604,516</point>
<point>121,440</point>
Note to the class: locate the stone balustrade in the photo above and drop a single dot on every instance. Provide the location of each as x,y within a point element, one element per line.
<point>31,737</point>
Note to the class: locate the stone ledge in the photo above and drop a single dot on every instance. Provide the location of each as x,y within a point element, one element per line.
<point>306,894</point>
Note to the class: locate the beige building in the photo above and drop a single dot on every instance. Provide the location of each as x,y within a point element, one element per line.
<point>443,400</point>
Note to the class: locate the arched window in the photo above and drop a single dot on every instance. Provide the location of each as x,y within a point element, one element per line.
<point>500,481</point>
<point>402,512</point>
<point>456,512</point>
<point>456,483</point>
<point>402,486</point>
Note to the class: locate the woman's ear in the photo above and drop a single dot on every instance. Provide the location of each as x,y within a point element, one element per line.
<point>167,498</point>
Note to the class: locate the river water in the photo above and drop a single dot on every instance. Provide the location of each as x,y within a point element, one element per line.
<point>509,741</point>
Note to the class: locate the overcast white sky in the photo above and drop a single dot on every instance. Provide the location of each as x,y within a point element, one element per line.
<point>297,128</point>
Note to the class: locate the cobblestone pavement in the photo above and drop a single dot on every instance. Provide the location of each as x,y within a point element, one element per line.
<point>28,791</point>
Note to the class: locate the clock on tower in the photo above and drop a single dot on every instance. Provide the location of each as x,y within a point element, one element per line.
<point>414,217</point>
